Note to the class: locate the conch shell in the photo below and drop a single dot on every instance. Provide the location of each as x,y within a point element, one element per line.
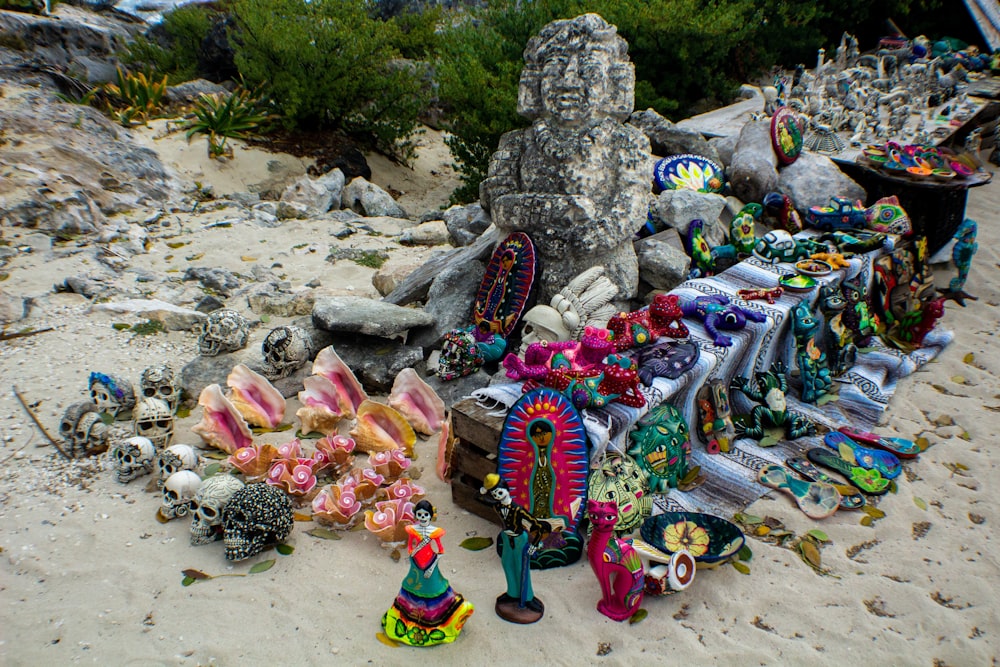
<point>329,364</point>
<point>380,428</point>
<point>221,425</point>
<point>322,406</point>
<point>255,397</point>
<point>414,399</point>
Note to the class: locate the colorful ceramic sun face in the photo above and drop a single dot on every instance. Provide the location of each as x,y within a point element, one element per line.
<point>543,456</point>
<point>506,285</point>
<point>786,135</point>
<point>691,172</point>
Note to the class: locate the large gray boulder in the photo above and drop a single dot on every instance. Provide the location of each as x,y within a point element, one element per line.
<point>677,208</point>
<point>449,301</point>
<point>465,223</point>
<point>662,262</point>
<point>812,179</point>
<point>317,195</point>
<point>355,314</point>
<point>370,200</point>
<point>754,168</point>
<point>666,139</point>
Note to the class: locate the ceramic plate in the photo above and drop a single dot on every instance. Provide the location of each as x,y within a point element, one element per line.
<point>709,538</point>
<point>786,135</point>
<point>813,267</point>
<point>794,282</point>
<point>691,172</point>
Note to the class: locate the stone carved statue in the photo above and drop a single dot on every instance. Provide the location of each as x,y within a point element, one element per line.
<point>578,180</point>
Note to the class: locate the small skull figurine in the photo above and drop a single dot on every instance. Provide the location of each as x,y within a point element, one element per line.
<point>208,505</point>
<point>133,458</point>
<point>257,515</point>
<point>111,393</point>
<point>70,418</point>
<point>542,323</point>
<point>160,382</point>
<point>285,350</point>
<point>178,492</point>
<point>154,420</point>
<point>224,330</point>
<point>91,436</point>
<point>174,459</point>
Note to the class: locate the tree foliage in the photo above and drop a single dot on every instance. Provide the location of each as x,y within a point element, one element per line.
<point>173,47</point>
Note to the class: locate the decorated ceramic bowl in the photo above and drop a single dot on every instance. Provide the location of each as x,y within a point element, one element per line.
<point>691,172</point>
<point>796,282</point>
<point>918,172</point>
<point>813,267</point>
<point>710,539</point>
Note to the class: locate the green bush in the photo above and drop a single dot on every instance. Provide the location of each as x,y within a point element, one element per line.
<point>183,29</point>
<point>327,64</point>
<point>237,115</point>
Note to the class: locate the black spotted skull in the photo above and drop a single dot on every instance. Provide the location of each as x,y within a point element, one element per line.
<point>224,330</point>
<point>178,492</point>
<point>286,349</point>
<point>257,515</point>
<point>160,382</point>
<point>174,459</point>
<point>133,458</point>
<point>111,393</point>
<point>208,506</point>
<point>154,419</point>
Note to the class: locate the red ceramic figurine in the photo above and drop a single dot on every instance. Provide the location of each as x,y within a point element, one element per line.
<point>615,562</point>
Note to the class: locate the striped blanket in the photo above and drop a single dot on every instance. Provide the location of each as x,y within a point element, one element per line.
<point>864,390</point>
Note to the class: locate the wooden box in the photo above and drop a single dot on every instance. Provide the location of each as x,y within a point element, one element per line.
<point>477,439</point>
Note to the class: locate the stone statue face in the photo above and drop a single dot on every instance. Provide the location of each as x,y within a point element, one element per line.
<point>574,85</point>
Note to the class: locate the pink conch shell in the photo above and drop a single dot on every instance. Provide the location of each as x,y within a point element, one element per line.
<point>380,428</point>
<point>401,489</point>
<point>221,425</point>
<point>390,463</point>
<point>255,460</point>
<point>335,452</point>
<point>336,506</point>
<point>322,406</point>
<point>329,364</point>
<point>446,444</point>
<point>293,476</point>
<point>389,520</point>
<point>414,399</point>
<point>256,398</point>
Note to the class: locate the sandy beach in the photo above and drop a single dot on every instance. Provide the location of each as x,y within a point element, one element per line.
<point>89,576</point>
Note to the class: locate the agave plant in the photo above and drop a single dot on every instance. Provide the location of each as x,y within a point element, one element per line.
<point>222,116</point>
<point>135,96</point>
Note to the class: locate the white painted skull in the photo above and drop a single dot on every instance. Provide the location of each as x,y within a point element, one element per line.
<point>208,505</point>
<point>178,492</point>
<point>257,515</point>
<point>90,435</point>
<point>153,419</point>
<point>224,330</point>
<point>71,417</point>
<point>286,349</point>
<point>542,323</point>
<point>111,393</point>
<point>160,382</point>
<point>174,459</point>
<point>133,458</point>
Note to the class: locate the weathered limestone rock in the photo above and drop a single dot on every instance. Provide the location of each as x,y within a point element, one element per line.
<point>666,139</point>
<point>355,314</point>
<point>370,200</point>
<point>430,233</point>
<point>173,318</point>
<point>465,223</point>
<point>662,264</point>
<point>677,208</point>
<point>812,179</point>
<point>754,169</point>
<point>316,196</point>
<point>449,300</point>
<point>577,180</point>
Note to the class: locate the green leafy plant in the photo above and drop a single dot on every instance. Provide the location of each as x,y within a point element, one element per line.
<point>238,115</point>
<point>177,52</point>
<point>136,97</point>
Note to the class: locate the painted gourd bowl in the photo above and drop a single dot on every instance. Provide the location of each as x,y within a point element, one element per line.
<point>709,538</point>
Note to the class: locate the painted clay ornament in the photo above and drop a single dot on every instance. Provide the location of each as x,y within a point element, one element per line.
<point>817,500</point>
<point>715,423</point>
<point>661,446</point>
<point>689,172</point>
<point>517,542</point>
<point>786,135</point>
<point>621,481</point>
<point>506,286</point>
<point>669,359</point>
<point>770,388</point>
<point>962,253</point>
<point>741,229</point>
<point>615,563</point>
<point>813,369</point>
<point>888,216</point>
<point>427,611</point>
<point>719,314</point>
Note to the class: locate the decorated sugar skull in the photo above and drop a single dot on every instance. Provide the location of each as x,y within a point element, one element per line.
<point>154,419</point>
<point>286,349</point>
<point>71,417</point>
<point>160,382</point>
<point>91,436</point>
<point>133,458</point>
<point>178,492</point>
<point>174,459</point>
<point>257,515</point>
<point>208,505</point>
<point>111,393</point>
<point>224,330</point>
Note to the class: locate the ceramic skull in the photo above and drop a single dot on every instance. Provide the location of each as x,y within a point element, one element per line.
<point>542,323</point>
<point>208,506</point>
<point>91,435</point>
<point>154,419</point>
<point>70,418</point>
<point>174,459</point>
<point>224,330</point>
<point>286,349</point>
<point>111,393</point>
<point>133,458</point>
<point>160,382</point>
<point>257,515</point>
<point>178,492</point>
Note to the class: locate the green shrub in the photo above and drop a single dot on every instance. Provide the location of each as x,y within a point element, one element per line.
<point>327,64</point>
<point>238,115</point>
<point>136,97</point>
<point>176,54</point>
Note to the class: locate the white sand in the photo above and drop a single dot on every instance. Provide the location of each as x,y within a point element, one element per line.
<point>89,576</point>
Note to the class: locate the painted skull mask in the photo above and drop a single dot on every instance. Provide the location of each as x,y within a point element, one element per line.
<point>112,394</point>
<point>153,419</point>
<point>161,382</point>
<point>224,330</point>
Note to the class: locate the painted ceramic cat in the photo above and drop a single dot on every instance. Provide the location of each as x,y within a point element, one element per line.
<point>615,563</point>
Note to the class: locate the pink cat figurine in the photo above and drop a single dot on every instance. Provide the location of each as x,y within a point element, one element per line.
<point>615,563</point>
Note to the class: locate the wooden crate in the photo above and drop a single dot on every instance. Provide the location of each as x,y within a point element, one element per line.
<point>477,439</point>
